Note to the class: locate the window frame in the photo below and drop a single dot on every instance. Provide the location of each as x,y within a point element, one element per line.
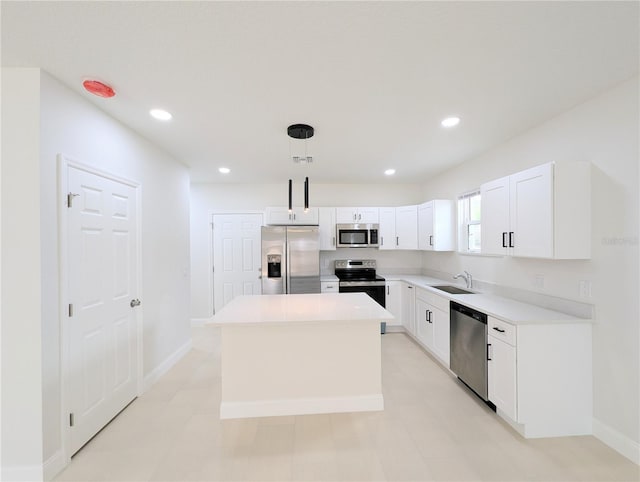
<point>464,221</point>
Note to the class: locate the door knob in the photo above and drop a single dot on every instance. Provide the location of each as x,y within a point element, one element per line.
<point>134,303</point>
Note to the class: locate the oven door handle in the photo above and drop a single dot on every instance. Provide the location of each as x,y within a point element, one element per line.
<point>346,284</point>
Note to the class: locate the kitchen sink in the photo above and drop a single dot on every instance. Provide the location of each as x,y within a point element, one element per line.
<point>454,290</point>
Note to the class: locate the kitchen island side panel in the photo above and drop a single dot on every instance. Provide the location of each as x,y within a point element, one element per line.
<point>306,367</point>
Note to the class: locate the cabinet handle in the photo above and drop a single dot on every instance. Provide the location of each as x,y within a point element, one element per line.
<point>488,347</point>
<point>359,217</point>
<point>499,330</point>
<point>431,240</point>
<point>504,240</point>
<point>429,319</point>
<point>397,240</point>
<point>511,239</point>
<point>387,291</point>
<point>410,287</point>
<point>334,240</point>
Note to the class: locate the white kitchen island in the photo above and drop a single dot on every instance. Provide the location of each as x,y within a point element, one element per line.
<point>300,354</point>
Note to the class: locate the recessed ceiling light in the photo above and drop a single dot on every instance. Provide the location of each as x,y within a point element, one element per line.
<point>224,170</point>
<point>450,122</point>
<point>160,114</point>
<point>390,172</point>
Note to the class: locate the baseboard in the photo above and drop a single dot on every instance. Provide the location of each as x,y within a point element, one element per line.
<point>268,408</point>
<point>22,473</point>
<point>200,321</point>
<point>617,441</point>
<point>54,465</point>
<point>395,328</point>
<point>165,366</point>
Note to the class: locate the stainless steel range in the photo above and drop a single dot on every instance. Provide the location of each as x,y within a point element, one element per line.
<point>359,275</point>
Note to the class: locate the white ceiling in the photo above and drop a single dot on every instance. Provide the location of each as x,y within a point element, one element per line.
<point>373,78</point>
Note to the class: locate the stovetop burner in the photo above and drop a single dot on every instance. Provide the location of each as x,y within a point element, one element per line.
<point>357,270</point>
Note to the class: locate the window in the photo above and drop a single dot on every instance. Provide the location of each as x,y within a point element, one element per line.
<point>469,222</point>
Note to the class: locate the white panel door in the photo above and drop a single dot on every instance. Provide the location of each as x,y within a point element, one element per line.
<point>387,228</point>
<point>425,226</point>
<point>407,227</point>
<point>441,333</point>
<point>495,216</point>
<point>101,333</point>
<point>327,228</point>
<point>393,302</point>
<point>502,377</point>
<point>424,324</point>
<point>531,194</point>
<point>236,257</point>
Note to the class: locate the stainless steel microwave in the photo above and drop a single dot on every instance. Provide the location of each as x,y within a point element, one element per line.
<point>357,235</point>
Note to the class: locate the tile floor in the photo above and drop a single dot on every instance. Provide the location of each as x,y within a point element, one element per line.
<point>431,429</point>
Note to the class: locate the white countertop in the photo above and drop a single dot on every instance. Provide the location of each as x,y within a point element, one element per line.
<point>506,309</point>
<point>325,307</point>
<point>329,277</point>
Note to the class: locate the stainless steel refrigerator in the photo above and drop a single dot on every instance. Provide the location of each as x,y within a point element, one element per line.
<point>290,260</point>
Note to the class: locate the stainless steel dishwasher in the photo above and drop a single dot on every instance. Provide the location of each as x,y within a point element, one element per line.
<point>468,343</point>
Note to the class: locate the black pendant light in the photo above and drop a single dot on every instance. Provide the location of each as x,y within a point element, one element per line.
<point>306,194</point>
<point>300,131</point>
<point>290,195</point>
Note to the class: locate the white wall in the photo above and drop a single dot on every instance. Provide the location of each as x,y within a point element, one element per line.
<point>21,329</point>
<point>605,132</point>
<point>71,125</point>
<point>209,198</point>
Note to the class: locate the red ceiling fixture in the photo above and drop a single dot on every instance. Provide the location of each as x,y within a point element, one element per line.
<point>98,88</point>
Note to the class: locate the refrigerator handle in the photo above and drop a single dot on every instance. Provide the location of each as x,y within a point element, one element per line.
<point>287,270</point>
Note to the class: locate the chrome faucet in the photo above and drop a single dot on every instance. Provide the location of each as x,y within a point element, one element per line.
<point>468,279</point>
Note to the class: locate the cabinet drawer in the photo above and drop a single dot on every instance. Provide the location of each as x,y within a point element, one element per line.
<point>438,301</point>
<point>328,286</point>
<point>502,330</point>
<point>433,299</point>
<point>422,294</point>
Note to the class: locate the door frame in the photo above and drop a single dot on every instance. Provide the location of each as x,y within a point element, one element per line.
<point>212,299</point>
<point>64,163</point>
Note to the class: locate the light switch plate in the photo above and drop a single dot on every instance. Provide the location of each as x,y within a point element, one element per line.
<point>538,281</point>
<point>584,287</point>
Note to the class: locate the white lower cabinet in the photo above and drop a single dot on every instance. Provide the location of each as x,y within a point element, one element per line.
<point>502,376</point>
<point>540,378</point>
<point>424,325</point>
<point>432,323</point>
<point>328,286</point>
<point>393,302</point>
<point>409,308</point>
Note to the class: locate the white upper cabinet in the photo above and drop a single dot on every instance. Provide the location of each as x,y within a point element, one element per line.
<point>494,216</point>
<point>407,227</point>
<point>542,212</point>
<point>436,225</point>
<point>282,216</point>
<point>327,228</point>
<point>357,215</point>
<point>387,230</point>
<point>399,227</point>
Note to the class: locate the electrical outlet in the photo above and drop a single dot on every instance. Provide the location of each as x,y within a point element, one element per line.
<point>538,281</point>
<point>584,288</point>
